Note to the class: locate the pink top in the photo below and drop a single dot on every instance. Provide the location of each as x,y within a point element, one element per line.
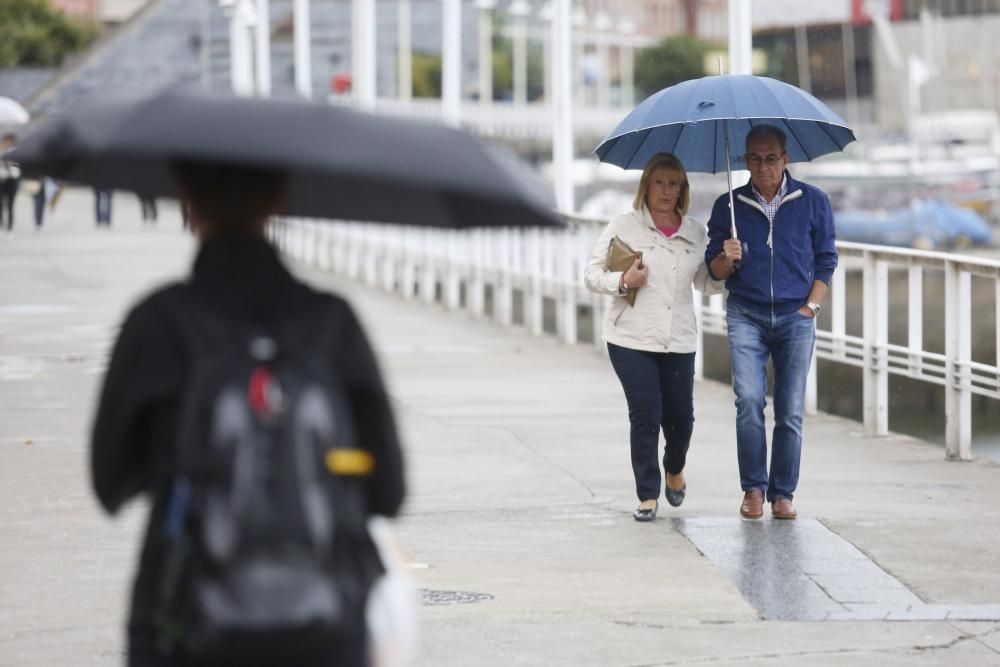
<point>668,232</point>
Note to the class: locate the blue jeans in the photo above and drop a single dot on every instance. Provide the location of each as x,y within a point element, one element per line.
<point>659,390</point>
<point>788,340</point>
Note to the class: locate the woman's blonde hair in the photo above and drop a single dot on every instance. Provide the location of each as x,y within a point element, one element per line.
<point>670,163</point>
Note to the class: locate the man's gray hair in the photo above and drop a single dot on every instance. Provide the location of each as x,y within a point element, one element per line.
<point>767,132</point>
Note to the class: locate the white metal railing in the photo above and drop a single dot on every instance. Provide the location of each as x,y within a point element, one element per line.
<point>473,268</point>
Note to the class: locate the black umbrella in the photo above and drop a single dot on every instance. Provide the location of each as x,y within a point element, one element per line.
<point>343,164</point>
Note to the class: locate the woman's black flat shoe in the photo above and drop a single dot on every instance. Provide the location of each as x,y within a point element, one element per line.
<point>645,515</point>
<point>676,498</point>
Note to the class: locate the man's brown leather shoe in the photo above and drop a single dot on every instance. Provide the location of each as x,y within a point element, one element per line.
<point>753,504</point>
<point>782,508</point>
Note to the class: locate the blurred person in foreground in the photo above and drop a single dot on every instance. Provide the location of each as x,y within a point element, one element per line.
<point>777,274</point>
<point>144,428</point>
<point>652,344</point>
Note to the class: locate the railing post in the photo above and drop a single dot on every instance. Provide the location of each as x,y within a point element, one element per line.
<point>372,253</point>
<point>812,400</point>
<point>533,293</point>
<point>838,312</point>
<point>502,297</point>
<point>915,316</point>
<point>599,306</point>
<point>565,289</point>
<point>428,275</point>
<point>390,242</point>
<point>958,352</point>
<point>876,327</point>
<point>475,290</point>
<point>451,283</point>
<point>408,279</point>
<point>699,319</point>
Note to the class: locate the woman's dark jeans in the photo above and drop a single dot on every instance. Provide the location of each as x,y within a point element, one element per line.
<point>659,389</point>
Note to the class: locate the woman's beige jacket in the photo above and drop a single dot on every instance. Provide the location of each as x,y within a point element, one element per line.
<point>662,319</point>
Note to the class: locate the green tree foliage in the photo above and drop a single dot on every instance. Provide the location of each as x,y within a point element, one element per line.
<point>426,73</point>
<point>32,34</point>
<point>673,60</point>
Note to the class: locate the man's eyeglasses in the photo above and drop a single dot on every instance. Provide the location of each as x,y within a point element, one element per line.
<point>757,160</point>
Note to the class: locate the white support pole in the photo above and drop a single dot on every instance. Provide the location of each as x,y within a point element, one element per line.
<point>404,37</point>
<point>958,348</point>
<point>546,16</point>
<point>802,58</point>
<point>518,11</point>
<point>850,74</point>
<point>451,62</point>
<point>915,317</point>
<point>740,37</point>
<point>240,57</point>
<point>628,76</point>
<point>627,63</point>
<point>876,327</point>
<point>363,53</point>
<point>262,62</point>
<point>486,58</point>
<point>602,24</point>
<point>562,105</point>
<point>578,52</point>
<point>303,48</point>
<point>996,330</point>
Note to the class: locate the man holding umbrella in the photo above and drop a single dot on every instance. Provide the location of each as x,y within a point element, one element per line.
<point>777,273</point>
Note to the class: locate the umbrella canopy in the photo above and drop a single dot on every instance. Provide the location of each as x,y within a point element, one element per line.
<point>696,119</point>
<point>12,113</point>
<point>342,163</point>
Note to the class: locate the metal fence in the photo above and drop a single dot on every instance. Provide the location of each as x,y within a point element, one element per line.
<point>518,277</point>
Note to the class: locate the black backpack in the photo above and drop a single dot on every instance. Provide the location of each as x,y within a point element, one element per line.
<point>268,557</point>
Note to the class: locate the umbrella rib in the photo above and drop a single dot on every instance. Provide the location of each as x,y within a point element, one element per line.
<point>791,131</point>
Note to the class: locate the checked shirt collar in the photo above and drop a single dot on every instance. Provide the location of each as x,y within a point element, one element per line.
<point>771,207</point>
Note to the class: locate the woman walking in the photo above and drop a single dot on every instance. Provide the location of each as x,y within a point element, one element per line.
<point>652,343</point>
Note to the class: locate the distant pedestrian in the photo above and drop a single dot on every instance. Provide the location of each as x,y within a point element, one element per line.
<point>43,191</point>
<point>777,278</point>
<point>652,343</point>
<point>102,207</point>
<point>148,208</point>
<point>10,180</point>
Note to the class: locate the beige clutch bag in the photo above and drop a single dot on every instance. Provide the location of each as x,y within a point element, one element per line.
<point>620,258</point>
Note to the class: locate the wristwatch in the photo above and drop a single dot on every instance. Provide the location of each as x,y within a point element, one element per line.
<point>815,307</point>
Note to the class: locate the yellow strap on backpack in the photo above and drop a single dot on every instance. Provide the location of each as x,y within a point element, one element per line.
<point>350,462</point>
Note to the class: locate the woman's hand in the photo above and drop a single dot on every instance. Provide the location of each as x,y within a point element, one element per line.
<point>635,276</point>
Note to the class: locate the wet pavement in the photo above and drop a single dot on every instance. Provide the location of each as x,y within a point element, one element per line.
<point>517,530</point>
<point>803,571</point>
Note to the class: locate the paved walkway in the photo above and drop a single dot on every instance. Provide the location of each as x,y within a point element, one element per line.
<point>518,526</point>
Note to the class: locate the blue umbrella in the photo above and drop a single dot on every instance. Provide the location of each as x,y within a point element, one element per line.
<point>704,122</point>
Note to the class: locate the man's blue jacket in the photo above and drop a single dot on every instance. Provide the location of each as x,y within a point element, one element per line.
<point>780,261</point>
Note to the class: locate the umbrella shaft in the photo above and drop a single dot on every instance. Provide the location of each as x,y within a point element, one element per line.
<point>729,180</point>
